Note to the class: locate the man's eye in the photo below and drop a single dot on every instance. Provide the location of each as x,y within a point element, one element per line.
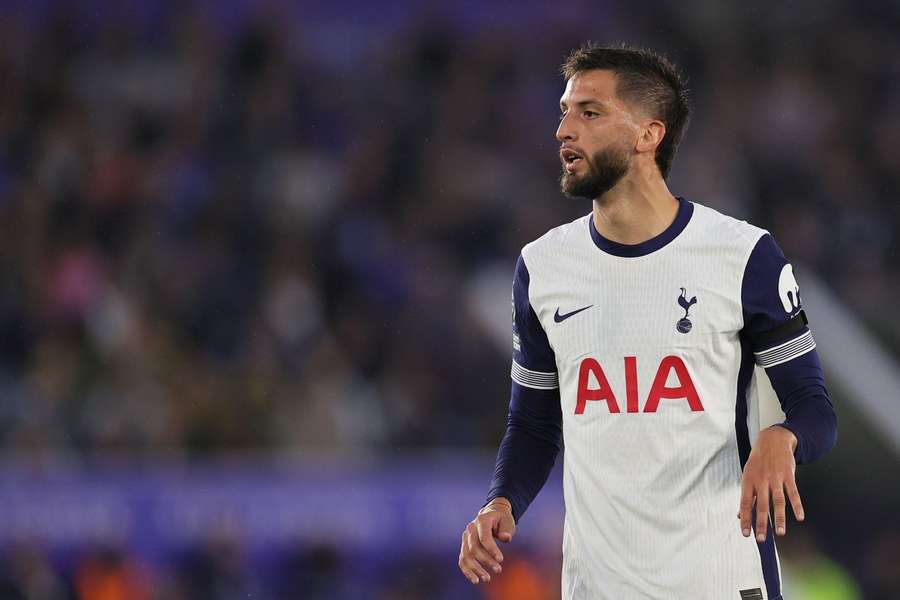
<point>590,113</point>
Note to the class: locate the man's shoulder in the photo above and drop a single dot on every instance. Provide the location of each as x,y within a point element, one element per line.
<point>720,227</point>
<point>563,236</point>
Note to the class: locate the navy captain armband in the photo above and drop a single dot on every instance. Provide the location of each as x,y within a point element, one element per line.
<point>780,333</point>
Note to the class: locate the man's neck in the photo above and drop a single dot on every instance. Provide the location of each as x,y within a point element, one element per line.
<point>635,210</point>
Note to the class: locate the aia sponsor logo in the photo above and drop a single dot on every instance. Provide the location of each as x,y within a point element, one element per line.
<point>684,391</point>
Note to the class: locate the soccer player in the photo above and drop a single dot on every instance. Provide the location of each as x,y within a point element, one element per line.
<point>636,329</point>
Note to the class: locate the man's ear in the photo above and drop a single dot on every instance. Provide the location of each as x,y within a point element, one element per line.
<point>651,135</point>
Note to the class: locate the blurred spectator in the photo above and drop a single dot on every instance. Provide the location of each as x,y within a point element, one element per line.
<point>107,574</point>
<point>215,572</point>
<point>809,575</point>
<point>29,575</point>
<point>314,573</point>
<point>882,575</point>
<point>521,580</point>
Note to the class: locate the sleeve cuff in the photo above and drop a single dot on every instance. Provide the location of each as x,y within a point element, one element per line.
<point>798,452</point>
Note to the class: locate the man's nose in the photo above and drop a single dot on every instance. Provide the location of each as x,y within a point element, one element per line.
<point>565,132</point>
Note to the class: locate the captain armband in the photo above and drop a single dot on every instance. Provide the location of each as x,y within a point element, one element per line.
<point>785,350</point>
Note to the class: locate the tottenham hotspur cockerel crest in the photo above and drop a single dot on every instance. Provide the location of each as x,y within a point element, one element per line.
<point>684,325</point>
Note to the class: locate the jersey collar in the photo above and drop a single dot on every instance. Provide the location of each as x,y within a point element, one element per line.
<point>685,210</point>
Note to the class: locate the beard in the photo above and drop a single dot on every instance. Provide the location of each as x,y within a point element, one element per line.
<point>605,168</point>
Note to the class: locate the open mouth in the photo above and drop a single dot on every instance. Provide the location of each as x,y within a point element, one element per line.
<point>570,157</point>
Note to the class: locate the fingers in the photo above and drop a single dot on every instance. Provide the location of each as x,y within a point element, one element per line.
<point>469,566</point>
<point>474,558</point>
<point>486,537</point>
<point>794,495</point>
<point>746,509</point>
<point>506,529</point>
<point>479,553</point>
<point>473,572</point>
<point>779,500</point>
<point>762,514</point>
<point>779,504</point>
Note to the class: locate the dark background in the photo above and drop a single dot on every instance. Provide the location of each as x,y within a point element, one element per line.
<point>268,246</point>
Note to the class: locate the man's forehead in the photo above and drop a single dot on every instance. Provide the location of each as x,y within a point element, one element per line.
<point>599,85</point>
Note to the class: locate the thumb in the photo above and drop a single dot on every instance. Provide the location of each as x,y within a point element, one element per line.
<point>506,528</point>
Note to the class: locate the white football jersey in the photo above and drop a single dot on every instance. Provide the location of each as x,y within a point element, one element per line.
<point>653,376</point>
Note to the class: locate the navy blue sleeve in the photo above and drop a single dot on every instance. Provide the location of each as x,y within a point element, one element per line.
<point>769,292</point>
<point>529,447</point>
<point>771,302</point>
<point>800,385</point>
<point>533,360</point>
<point>534,423</point>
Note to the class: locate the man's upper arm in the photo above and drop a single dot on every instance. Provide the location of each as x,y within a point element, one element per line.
<point>782,343</point>
<point>774,320</point>
<point>533,360</point>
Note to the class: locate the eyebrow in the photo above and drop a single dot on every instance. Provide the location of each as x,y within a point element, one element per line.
<point>584,103</point>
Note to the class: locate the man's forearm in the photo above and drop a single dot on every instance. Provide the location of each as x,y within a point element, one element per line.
<point>800,385</point>
<point>529,447</point>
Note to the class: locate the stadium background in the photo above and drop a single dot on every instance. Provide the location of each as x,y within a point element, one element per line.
<point>254,332</point>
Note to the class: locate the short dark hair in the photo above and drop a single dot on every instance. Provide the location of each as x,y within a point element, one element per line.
<point>644,77</point>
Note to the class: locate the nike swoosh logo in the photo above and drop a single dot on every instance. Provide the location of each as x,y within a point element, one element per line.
<point>560,318</point>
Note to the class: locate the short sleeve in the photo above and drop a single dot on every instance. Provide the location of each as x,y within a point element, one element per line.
<point>774,320</point>
<point>533,360</point>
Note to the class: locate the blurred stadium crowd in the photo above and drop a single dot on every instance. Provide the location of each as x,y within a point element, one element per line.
<point>225,229</point>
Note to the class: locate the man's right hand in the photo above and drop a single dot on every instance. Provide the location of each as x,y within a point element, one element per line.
<point>479,553</point>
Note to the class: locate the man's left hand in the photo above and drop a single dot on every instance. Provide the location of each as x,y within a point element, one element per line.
<point>768,475</point>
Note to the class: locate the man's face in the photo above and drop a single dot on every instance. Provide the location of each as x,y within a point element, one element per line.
<point>597,132</point>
